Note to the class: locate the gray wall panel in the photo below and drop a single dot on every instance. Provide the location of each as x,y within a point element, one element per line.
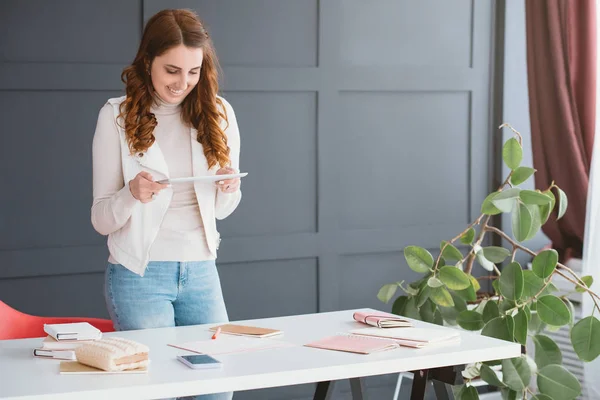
<point>50,159</point>
<point>279,192</point>
<point>69,31</point>
<point>404,153</point>
<point>425,32</point>
<point>256,33</point>
<point>269,288</point>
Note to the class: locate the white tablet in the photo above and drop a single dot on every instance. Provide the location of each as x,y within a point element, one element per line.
<point>204,178</point>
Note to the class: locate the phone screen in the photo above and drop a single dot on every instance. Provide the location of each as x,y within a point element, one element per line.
<point>200,359</point>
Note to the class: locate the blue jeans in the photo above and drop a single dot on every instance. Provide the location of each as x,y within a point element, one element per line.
<point>170,293</point>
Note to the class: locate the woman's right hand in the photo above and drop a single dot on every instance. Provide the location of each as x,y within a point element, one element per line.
<point>143,187</point>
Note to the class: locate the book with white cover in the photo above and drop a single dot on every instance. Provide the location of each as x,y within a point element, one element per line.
<point>55,354</point>
<point>49,343</point>
<point>423,336</point>
<point>73,331</point>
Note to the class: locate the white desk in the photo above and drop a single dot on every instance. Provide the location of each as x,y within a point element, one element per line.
<point>24,377</point>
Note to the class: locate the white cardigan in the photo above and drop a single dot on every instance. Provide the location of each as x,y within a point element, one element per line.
<point>132,226</point>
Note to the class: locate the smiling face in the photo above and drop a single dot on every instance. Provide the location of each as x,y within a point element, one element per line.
<point>176,72</point>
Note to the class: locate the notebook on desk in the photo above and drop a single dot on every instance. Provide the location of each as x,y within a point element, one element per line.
<point>354,344</point>
<point>412,337</point>
<point>381,319</point>
<point>244,330</point>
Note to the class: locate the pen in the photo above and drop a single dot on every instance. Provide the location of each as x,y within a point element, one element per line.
<point>217,332</point>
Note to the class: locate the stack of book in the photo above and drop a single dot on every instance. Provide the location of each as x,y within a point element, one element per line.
<point>63,339</point>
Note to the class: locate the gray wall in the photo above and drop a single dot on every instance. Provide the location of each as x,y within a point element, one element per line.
<point>365,128</point>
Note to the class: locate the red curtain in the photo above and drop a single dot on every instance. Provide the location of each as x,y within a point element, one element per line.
<point>561,71</point>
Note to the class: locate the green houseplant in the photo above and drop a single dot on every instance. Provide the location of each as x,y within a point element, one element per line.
<point>523,303</point>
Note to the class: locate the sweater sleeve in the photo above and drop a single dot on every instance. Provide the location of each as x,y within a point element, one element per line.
<point>113,202</point>
<point>226,203</point>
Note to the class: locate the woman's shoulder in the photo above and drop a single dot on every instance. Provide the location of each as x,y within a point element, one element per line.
<point>226,104</point>
<point>115,101</point>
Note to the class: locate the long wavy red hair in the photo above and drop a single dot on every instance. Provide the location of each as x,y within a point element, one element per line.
<point>201,108</point>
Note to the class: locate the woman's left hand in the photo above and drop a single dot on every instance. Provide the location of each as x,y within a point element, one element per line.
<point>228,185</point>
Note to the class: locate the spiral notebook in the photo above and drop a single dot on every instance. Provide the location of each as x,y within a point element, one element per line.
<point>354,344</point>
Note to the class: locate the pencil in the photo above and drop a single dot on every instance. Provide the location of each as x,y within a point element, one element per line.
<point>217,332</point>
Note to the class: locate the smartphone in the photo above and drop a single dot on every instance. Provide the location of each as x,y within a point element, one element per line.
<point>200,361</point>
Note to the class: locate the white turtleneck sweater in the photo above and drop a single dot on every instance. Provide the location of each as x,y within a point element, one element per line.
<point>181,236</point>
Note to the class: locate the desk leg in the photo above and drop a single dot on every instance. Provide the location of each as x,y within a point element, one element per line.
<point>357,389</point>
<point>442,379</point>
<point>324,391</point>
<point>419,384</point>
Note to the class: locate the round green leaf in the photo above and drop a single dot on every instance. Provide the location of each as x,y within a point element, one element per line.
<point>434,282</point>
<point>468,236</point>
<point>520,175</point>
<point>488,207</point>
<point>469,294</point>
<point>427,311</point>
<point>546,210</point>
<point>522,221</point>
<point>505,199</point>
<point>558,383</point>
<point>490,311</point>
<point>418,259</point>
<point>423,295</point>
<point>547,351</point>
<point>470,320</point>
<point>454,278</point>
<point>399,305</point>
<point>509,394</point>
<point>386,292</point>
<point>499,328</point>
<point>441,297</point>
<point>511,281</point>
<point>535,324</point>
<point>521,322</point>
<point>490,376</point>
<point>495,254</point>
<point>585,337</point>
<point>587,280</point>
<point>516,373</point>
<point>536,220</point>
<point>533,197</point>
<point>512,153</point>
<point>544,263</point>
<point>539,396</point>
<point>411,310</point>
<point>553,310</point>
<point>467,393</point>
<point>562,203</point>
<point>450,252</point>
<point>532,284</point>
<point>484,262</point>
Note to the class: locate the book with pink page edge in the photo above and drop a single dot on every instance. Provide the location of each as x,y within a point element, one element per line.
<point>381,319</point>
<point>354,344</point>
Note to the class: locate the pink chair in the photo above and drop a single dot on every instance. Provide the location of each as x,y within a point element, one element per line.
<point>17,325</point>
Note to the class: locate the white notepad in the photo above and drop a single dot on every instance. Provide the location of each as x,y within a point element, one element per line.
<point>203,178</point>
<point>414,337</point>
<point>227,344</point>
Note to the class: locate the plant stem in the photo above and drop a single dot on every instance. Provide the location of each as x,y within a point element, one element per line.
<point>579,282</point>
<point>455,238</point>
<point>514,130</point>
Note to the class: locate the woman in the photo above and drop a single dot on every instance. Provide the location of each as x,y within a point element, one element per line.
<point>162,238</point>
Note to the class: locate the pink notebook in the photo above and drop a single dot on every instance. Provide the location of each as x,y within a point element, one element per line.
<point>381,319</point>
<point>354,344</point>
